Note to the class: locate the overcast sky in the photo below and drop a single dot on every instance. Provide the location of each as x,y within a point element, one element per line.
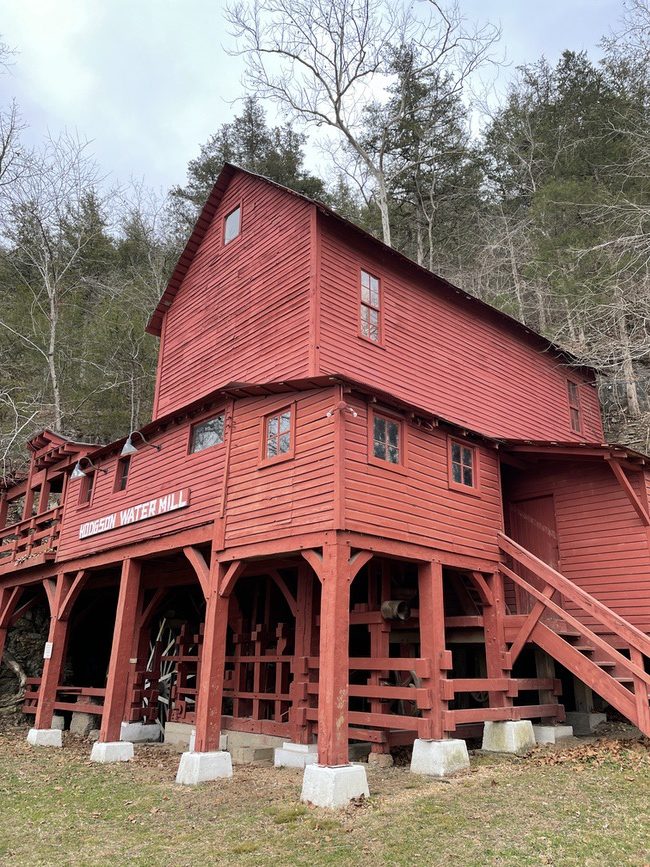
<point>148,80</point>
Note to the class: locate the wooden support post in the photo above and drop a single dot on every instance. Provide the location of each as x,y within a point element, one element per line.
<point>303,638</point>
<point>432,645</point>
<point>334,656</point>
<point>213,661</point>
<point>495,642</point>
<point>584,697</point>
<point>53,664</point>
<point>545,668</point>
<point>118,670</point>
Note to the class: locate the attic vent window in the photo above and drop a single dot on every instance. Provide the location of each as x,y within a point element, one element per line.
<point>207,433</point>
<point>574,406</point>
<point>232,225</point>
<point>370,309</point>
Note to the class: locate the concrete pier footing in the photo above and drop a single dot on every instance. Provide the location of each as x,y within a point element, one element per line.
<point>195,768</point>
<point>509,736</point>
<point>333,787</point>
<point>45,737</point>
<point>439,758</point>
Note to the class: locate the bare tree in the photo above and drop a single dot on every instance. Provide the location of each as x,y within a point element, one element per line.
<point>44,236</point>
<point>323,61</point>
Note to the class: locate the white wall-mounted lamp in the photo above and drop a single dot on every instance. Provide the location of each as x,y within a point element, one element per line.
<point>130,449</point>
<point>80,473</point>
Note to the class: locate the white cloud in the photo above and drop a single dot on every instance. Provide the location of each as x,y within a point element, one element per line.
<point>149,80</point>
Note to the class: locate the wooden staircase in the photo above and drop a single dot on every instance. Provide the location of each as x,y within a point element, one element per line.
<point>619,674</point>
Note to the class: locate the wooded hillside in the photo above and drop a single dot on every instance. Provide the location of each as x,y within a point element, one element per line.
<point>545,212</point>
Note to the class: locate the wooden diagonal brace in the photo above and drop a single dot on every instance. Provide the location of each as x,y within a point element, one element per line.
<point>625,483</point>
<point>201,568</point>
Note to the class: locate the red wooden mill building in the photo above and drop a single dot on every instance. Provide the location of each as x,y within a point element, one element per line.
<point>369,509</point>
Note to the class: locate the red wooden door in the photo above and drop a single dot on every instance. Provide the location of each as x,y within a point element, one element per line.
<point>532,525</point>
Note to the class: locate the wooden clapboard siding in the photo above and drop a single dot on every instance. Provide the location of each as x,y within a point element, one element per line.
<point>152,474</point>
<point>242,310</point>
<point>603,544</point>
<point>414,503</point>
<point>281,498</point>
<point>449,356</point>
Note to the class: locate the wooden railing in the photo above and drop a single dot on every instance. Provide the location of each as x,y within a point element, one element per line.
<point>68,698</point>
<point>627,686</point>
<point>35,537</point>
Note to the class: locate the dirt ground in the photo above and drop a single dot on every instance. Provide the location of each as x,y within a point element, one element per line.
<point>584,804</point>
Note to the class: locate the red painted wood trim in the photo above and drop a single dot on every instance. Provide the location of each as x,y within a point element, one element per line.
<point>339,460</point>
<point>314,294</point>
<point>229,578</point>
<point>161,350</point>
<point>9,598</point>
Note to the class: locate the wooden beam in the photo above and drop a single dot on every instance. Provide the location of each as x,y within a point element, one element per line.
<point>149,611</point>
<point>529,624</point>
<point>8,601</point>
<point>230,575</point>
<point>71,595</point>
<point>118,669</point>
<point>315,560</point>
<point>53,664</point>
<point>482,587</point>
<point>282,586</point>
<point>630,493</point>
<point>213,658</point>
<point>49,585</point>
<point>201,568</point>
<point>357,562</point>
<point>333,656</point>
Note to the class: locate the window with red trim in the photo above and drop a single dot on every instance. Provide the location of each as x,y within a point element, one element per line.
<point>278,435</point>
<point>574,405</point>
<point>370,308</point>
<point>386,439</point>
<point>462,465</point>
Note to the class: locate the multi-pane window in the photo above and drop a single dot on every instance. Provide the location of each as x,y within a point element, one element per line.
<point>370,312</point>
<point>462,465</point>
<point>232,225</point>
<point>122,475</point>
<point>207,433</point>
<point>386,436</point>
<point>277,440</point>
<point>574,405</point>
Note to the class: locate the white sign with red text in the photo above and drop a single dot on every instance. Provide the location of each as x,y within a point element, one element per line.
<point>134,514</point>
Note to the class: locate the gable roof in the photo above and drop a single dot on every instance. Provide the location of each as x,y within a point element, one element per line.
<point>436,283</point>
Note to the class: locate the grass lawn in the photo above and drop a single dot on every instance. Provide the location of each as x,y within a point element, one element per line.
<point>585,805</point>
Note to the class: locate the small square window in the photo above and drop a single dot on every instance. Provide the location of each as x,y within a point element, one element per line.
<point>207,433</point>
<point>232,225</point>
<point>462,465</point>
<point>370,308</point>
<point>122,474</point>
<point>278,435</point>
<point>386,439</point>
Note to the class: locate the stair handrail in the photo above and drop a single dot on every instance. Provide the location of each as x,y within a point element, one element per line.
<point>607,617</point>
